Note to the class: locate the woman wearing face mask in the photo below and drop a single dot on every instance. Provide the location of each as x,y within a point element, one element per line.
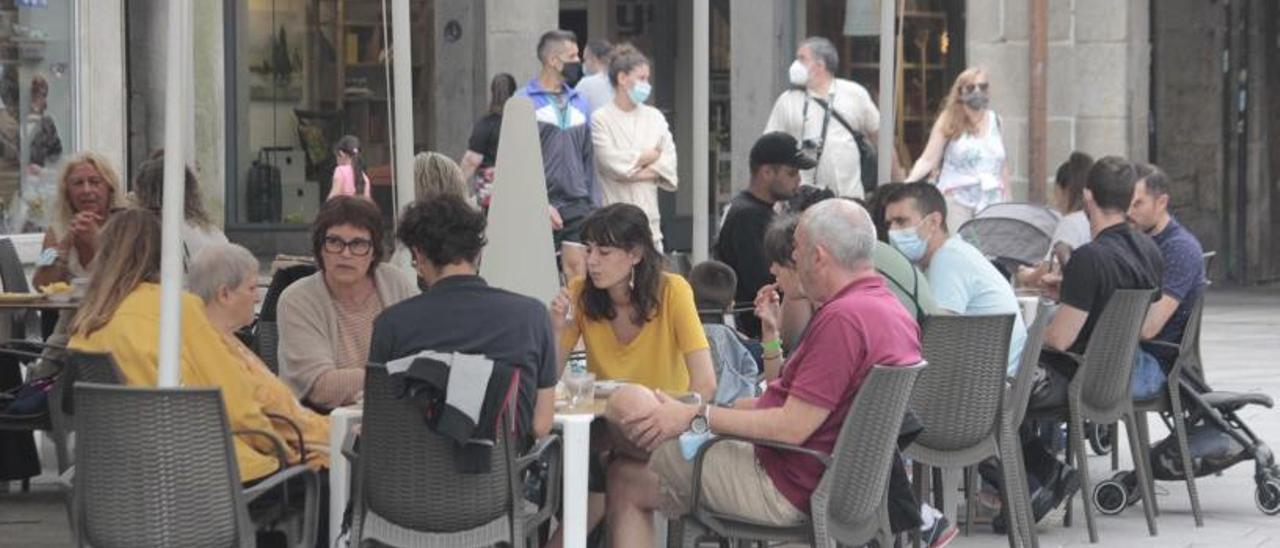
<point>966,151</point>
<point>634,152</point>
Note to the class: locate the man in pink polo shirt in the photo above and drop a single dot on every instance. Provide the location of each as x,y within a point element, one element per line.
<point>859,325</point>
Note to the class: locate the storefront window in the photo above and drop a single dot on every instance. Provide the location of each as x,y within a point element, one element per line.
<point>309,72</point>
<point>37,119</point>
<point>932,55</point>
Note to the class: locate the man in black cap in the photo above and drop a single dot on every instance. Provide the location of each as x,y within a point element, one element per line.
<point>776,162</point>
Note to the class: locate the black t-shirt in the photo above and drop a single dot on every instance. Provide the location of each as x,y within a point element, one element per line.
<point>1120,257</point>
<point>741,246</point>
<point>484,138</point>
<point>463,314</point>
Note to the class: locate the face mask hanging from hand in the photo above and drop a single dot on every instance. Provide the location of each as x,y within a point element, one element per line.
<point>798,73</point>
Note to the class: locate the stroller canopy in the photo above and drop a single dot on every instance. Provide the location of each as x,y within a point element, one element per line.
<point>1019,231</point>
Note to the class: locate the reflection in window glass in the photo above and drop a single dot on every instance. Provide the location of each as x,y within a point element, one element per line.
<point>37,84</point>
<point>311,72</point>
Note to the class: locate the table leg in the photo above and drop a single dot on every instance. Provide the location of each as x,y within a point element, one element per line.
<point>343,420</point>
<point>577,447</point>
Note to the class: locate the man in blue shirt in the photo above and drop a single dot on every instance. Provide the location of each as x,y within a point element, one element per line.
<point>1183,279</point>
<point>568,159</point>
<point>964,282</point>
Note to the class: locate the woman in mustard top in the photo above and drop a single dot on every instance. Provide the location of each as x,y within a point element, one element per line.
<point>638,323</point>
<point>225,277</point>
<point>121,315</point>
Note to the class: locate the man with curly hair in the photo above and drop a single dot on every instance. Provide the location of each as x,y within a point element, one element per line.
<point>461,313</point>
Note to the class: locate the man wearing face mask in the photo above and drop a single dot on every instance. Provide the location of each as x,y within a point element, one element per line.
<point>824,113</point>
<point>635,155</point>
<point>776,162</point>
<point>595,85</point>
<point>568,159</point>
<point>963,281</point>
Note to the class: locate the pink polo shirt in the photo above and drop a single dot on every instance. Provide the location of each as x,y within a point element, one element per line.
<point>862,326</point>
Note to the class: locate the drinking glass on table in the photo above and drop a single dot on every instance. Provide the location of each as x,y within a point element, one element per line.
<point>581,386</point>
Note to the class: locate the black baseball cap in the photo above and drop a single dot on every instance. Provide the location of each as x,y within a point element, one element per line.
<point>778,148</point>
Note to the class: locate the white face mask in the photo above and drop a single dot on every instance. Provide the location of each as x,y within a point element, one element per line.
<point>798,73</point>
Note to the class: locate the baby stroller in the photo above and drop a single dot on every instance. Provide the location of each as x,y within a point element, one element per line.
<point>1216,439</point>
<point>1012,234</point>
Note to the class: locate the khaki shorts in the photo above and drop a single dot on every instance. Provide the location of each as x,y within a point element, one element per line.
<point>733,483</point>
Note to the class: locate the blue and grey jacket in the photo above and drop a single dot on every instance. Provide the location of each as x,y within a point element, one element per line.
<point>568,159</point>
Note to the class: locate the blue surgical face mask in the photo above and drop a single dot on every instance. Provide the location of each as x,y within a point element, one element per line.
<point>639,92</point>
<point>909,242</point>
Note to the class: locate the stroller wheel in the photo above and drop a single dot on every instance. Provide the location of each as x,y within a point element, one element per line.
<point>1100,437</point>
<point>1267,496</point>
<point>1110,497</point>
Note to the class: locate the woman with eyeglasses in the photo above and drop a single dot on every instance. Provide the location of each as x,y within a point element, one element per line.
<point>966,151</point>
<point>326,319</point>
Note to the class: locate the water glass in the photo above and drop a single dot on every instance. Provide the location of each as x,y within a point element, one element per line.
<point>581,386</point>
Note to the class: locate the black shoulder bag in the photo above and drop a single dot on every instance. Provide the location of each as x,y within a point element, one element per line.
<point>866,152</point>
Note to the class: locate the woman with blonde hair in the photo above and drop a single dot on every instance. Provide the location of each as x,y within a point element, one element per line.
<point>435,174</point>
<point>88,191</point>
<point>120,314</point>
<point>966,150</point>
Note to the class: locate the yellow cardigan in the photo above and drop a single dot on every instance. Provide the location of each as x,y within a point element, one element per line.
<point>132,336</point>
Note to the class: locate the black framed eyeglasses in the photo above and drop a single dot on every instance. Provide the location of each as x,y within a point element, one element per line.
<point>984,86</point>
<point>359,246</point>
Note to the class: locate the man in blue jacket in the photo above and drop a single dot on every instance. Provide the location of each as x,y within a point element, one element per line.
<point>568,160</point>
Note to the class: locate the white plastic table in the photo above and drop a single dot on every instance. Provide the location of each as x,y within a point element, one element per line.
<point>576,432</point>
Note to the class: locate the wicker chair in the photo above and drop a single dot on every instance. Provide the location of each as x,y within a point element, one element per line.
<point>156,468</point>
<point>1015,409</point>
<point>849,506</point>
<point>407,491</point>
<point>959,399</point>
<point>57,419</point>
<point>266,338</point>
<point>1170,405</point>
<point>1100,392</point>
<point>14,279</point>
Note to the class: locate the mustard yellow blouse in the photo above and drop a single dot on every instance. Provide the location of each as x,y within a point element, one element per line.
<point>271,393</point>
<point>132,336</point>
<point>655,358</point>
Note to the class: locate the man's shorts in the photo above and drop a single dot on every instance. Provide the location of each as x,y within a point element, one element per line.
<point>733,483</point>
<point>570,232</point>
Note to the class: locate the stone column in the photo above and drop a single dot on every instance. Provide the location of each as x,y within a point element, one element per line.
<point>764,40</point>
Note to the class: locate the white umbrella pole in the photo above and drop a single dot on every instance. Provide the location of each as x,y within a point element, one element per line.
<point>176,91</point>
<point>402,78</point>
<point>701,129</point>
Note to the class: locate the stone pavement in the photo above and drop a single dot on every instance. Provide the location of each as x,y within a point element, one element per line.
<point>1241,349</point>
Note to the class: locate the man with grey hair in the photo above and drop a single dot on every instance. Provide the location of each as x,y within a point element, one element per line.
<point>827,115</point>
<point>859,325</point>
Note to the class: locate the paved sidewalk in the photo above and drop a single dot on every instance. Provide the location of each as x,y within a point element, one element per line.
<point>1241,349</point>
<point>1242,352</point>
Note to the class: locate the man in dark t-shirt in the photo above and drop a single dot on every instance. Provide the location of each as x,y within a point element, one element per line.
<point>776,162</point>
<point>1119,257</point>
<point>1183,278</point>
<point>461,313</point>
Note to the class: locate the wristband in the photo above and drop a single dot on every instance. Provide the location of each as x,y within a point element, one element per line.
<point>775,344</point>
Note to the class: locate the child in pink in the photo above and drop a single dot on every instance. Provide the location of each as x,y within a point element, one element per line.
<point>349,177</point>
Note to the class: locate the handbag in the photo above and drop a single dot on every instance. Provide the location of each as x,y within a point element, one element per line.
<point>866,153</point>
